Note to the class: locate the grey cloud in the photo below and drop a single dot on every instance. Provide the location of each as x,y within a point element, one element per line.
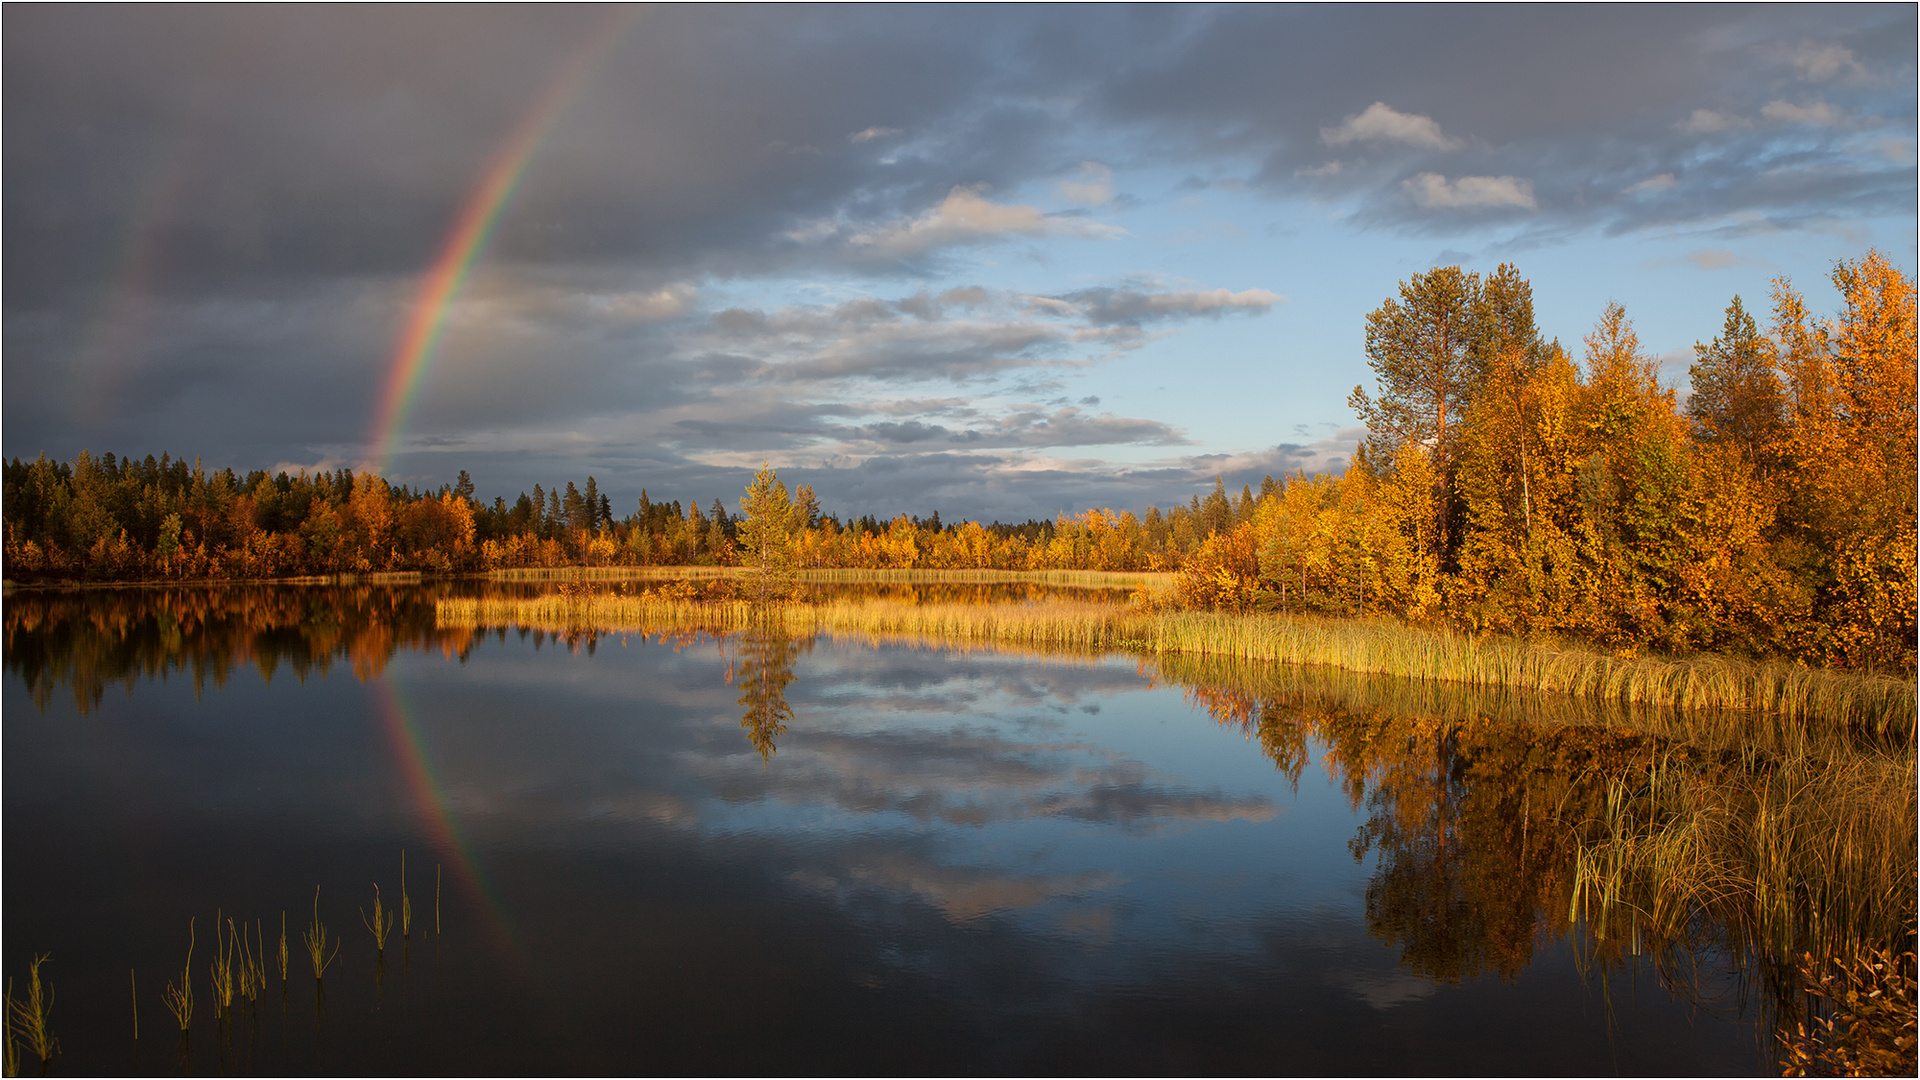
<point>1606,92</point>
<point>1138,806</point>
<point>1111,306</point>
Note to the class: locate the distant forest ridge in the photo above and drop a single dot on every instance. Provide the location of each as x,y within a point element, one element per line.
<point>1503,487</point>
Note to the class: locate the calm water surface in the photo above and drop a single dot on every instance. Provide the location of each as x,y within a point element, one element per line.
<point>757,854</point>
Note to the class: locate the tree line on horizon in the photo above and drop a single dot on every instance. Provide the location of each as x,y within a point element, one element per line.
<point>1503,486</point>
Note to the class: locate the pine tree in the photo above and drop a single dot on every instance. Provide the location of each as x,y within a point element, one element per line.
<point>1737,399</point>
<point>766,537</point>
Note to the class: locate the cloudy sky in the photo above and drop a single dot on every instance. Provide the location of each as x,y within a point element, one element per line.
<point>993,261</point>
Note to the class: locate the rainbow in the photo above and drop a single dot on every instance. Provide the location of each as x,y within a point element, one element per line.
<point>420,335</point>
<point>430,799</point>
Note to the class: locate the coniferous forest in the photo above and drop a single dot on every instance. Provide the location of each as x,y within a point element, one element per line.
<point>1509,484</point>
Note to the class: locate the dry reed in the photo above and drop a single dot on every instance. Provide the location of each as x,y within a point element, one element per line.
<point>1800,856</point>
<point>1089,579</point>
<point>29,1016</point>
<point>316,941</point>
<point>1882,706</point>
<point>376,926</point>
<point>179,998</point>
<point>221,969</point>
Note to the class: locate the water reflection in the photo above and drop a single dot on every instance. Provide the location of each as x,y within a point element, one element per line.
<point>762,668</point>
<point>1024,841</point>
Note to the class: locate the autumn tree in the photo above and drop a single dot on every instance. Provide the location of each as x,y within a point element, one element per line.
<point>1425,348</point>
<point>766,536</point>
<point>1736,396</point>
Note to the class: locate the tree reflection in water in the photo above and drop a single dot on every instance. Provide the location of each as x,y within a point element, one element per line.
<point>762,668</point>
<point>1501,823</point>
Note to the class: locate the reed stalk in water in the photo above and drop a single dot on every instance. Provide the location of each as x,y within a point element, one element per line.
<point>179,999</point>
<point>376,926</point>
<point>221,969</point>
<point>1878,704</point>
<point>29,1016</point>
<point>406,905</point>
<point>133,986</point>
<point>283,947</point>
<point>316,941</point>
<point>11,1061</point>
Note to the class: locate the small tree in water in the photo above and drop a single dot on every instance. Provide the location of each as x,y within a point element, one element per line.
<point>766,537</point>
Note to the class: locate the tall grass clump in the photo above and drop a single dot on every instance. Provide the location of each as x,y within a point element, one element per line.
<point>221,969</point>
<point>379,928</point>
<point>28,1016</point>
<point>406,905</point>
<point>1876,706</point>
<point>316,940</point>
<point>1802,857</point>
<point>179,996</point>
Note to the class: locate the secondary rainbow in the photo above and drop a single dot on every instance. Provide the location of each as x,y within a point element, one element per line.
<point>420,336</point>
<point>436,810</point>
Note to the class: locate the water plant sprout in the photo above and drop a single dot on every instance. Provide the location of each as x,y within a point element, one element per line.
<point>377,926</point>
<point>316,941</point>
<point>29,1016</point>
<point>179,999</point>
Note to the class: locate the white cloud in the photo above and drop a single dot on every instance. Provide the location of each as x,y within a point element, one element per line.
<point>1095,184</point>
<point>648,307</point>
<point>965,217</point>
<point>872,133</point>
<point>1818,64</point>
<point>1436,192</point>
<point>1331,168</point>
<point>1382,123</point>
<point>1709,122</point>
<point>1653,183</point>
<point>1817,114</point>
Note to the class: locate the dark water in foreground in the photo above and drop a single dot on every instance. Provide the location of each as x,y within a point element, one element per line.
<point>944,862</point>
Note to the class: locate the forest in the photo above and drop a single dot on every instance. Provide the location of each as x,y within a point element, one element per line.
<point>1505,486</point>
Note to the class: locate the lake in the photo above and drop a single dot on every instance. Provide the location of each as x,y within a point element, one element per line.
<point>752,853</point>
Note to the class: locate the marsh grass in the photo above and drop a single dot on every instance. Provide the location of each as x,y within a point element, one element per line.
<point>1796,857</point>
<point>379,928</point>
<point>29,1016</point>
<point>252,966</point>
<point>316,940</point>
<point>179,997</point>
<point>1878,706</point>
<point>1087,579</point>
<point>10,1061</point>
<point>283,948</point>
<point>406,905</point>
<point>221,969</point>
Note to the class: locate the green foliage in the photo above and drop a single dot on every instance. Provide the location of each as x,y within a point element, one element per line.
<point>766,537</point>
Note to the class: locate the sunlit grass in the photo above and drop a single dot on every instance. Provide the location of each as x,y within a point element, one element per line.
<point>1870,703</point>
<point>378,928</point>
<point>316,939</point>
<point>179,997</point>
<point>27,1017</point>
<point>221,969</point>
<point>1086,579</point>
<point>1802,856</point>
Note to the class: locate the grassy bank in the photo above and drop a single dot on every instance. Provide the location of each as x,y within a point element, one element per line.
<point>1084,579</point>
<point>1878,705</point>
